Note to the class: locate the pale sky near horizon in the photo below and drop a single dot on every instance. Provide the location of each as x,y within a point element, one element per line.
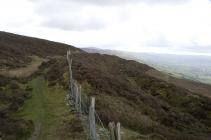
<point>162,26</point>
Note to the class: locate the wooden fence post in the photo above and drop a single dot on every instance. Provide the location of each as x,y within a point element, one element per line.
<point>70,72</point>
<point>69,60</point>
<point>111,126</point>
<point>73,91</point>
<point>118,131</point>
<point>79,101</point>
<point>67,56</point>
<point>76,96</point>
<point>92,127</point>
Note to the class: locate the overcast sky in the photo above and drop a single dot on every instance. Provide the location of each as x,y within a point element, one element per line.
<point>163,26</point>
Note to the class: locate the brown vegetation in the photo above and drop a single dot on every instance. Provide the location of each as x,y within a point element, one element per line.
<point>195,87</point>
<point>123,90</point>
<point>145,104</point>
<point>15,50</point>
<point>26,71</point>
<point>12,97</point>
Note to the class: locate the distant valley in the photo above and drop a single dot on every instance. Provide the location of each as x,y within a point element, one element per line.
<point>193,67</point>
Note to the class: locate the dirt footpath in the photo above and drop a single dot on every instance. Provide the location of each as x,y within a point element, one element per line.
<point>24,71</point>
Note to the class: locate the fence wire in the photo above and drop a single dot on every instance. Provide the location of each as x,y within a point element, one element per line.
<point>81,104</point>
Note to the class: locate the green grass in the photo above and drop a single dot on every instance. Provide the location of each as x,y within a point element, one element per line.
<point>46,108</point>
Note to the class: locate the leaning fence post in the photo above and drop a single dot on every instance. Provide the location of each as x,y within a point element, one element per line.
<point>79,101</point>
<point>92,127</point>
<point>76,96</point>
<point>69,60</point>
<point>118,131</point>
<point>73,91</point>
<point>111,126</point>
<point>67,56</point>
<point>70,71</point>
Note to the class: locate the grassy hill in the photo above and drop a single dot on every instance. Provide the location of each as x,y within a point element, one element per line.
<point>16,50</point>
<point>124,92</point>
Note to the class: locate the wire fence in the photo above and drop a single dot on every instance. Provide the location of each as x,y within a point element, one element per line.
<point>84,107</point>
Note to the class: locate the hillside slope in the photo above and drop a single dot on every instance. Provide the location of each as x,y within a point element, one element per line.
<point>29,107</point>
<point>15,50</point>
<point>195,87</point>
<point>162,74</point>
<point>123,90</point>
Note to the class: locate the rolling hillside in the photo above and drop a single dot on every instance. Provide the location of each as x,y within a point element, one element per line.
<point>170,68</point>
<point>124,92</point>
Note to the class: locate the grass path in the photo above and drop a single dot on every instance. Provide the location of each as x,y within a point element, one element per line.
<point>51,116</point>
<point>46,108</point>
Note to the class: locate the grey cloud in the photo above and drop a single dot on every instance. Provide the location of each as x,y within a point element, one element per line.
<point>111,2</point>
<point>74,24</point>
<point>69,14</point>
<point>119,2</point>
<point>161,41</point>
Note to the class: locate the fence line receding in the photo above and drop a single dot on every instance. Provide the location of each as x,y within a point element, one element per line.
<point>85,110</point>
